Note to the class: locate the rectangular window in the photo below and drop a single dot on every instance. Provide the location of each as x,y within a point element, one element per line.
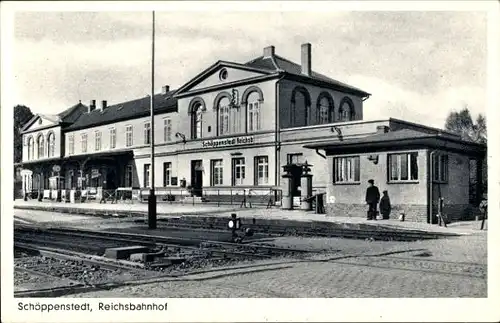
<point>97,140</point>
<point>112,138</point>
<point>147,133</point>
<point>254,116</point>
<point>129,136</point>
<point>216,171</point>
<point>440,168</point>
<point>294,158</point>
<point>129,176</point>
<point>402,167</point>
<point>167,130</point>
<point>167,174</point>
<point>84,142</point>
<point>346,169</point>
<point>146,174</point>
<point>261,170</point>
<point>71,144</point>
<point>238,171</point>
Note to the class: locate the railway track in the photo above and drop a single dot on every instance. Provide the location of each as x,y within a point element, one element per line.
<point>72,258</point>
<point>384,233</point>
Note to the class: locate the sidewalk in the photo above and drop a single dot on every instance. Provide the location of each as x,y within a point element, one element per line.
<point>273,216</point>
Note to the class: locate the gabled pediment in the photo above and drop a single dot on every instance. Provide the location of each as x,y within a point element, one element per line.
<point>221,73</point>
<point>41,121</point>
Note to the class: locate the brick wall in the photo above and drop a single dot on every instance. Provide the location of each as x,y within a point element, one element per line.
<point>413,212</point>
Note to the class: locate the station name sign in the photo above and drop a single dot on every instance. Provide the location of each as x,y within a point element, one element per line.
<point>214,143</point>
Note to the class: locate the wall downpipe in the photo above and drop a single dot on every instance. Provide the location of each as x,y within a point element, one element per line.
<point>277,137</point>
<point>431,183</point>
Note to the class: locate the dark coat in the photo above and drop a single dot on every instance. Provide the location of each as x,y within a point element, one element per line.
<point>385,205</point>
<point>372,194</point>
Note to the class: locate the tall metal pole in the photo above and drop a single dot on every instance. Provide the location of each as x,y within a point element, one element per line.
<point>152,196</point>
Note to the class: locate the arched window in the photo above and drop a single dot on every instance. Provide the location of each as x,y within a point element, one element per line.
<point>31,148</point>
<point>196,108</point>
<point>228,116</point>
<point>346,110</point>
<point>51,143</point>
<point>301,103</point>
<point>40,145</point>
<point>254,116</point>
<point>325,108</point>
<point>197,121</point>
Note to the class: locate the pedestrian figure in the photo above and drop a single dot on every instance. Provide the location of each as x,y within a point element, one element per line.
<point>372,199</point>
<point>385,206</point>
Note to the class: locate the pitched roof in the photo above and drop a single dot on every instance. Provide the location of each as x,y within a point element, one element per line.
<point>124,111</point>
<point>277,63</point>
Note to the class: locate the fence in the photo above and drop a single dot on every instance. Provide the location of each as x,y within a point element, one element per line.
<point>245,197</point>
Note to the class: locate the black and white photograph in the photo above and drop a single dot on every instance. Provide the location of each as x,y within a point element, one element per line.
<point>198,151</point>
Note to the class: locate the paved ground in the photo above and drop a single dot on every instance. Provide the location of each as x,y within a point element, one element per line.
<point>352,278</point>
<point>165,210</point>
<point>344,271</point>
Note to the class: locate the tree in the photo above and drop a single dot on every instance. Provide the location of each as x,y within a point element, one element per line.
<point>22,114</point>
<point>462,124</point>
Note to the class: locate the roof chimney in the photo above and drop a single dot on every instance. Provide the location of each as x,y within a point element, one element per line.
<point>382,129</point>
<point>306,59</point>
<point>269,51</point>
<point>104,105</point>
<point>165,89</point>
<point>92,106</point>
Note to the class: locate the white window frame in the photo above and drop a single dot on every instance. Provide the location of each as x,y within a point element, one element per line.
<point>147,133</point>
<point>344,169</point>
<point>254,116</point>
<point>129,176</point>
<point>399,157</point>
<point>112,138</point>
<point>147,175</point>
<point>261,170</point>
<point>440,168</point>
<point>129,136</point>
<point>238,167</point>
<point>51,144</point>
<point>167,174</point>
<point>83,142</point>
<point>217,172</point>
<point>324,111</point>
<point>167,129</point>
<point>71,144</point>
<point>98,140</point>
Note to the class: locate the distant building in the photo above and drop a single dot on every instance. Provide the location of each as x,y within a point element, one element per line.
<point>232,128</point>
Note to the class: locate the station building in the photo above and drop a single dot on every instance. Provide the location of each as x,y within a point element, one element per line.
<point>230,130</point>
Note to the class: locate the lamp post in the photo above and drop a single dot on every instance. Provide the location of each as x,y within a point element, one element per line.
<point>152,196</point>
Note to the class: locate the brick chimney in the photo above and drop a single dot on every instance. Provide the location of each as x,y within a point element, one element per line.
<point>306,59</point>
<point>104,104</point>
<point>92,105</point>
<point>269,51</point>
<point>165,89</point>
<point>382,129</point>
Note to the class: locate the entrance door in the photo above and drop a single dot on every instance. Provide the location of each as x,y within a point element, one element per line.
<point>111,179</point>
<point>296,171</point>
<point>197,177</point>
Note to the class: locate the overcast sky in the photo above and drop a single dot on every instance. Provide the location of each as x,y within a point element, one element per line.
<point>417,65</point>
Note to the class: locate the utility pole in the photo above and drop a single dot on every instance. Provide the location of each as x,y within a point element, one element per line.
<point>152,196</point>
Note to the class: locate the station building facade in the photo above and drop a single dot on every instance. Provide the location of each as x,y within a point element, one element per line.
<point>229,130</point>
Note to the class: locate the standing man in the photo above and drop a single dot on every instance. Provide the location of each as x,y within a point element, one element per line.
<point>372,198</point>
